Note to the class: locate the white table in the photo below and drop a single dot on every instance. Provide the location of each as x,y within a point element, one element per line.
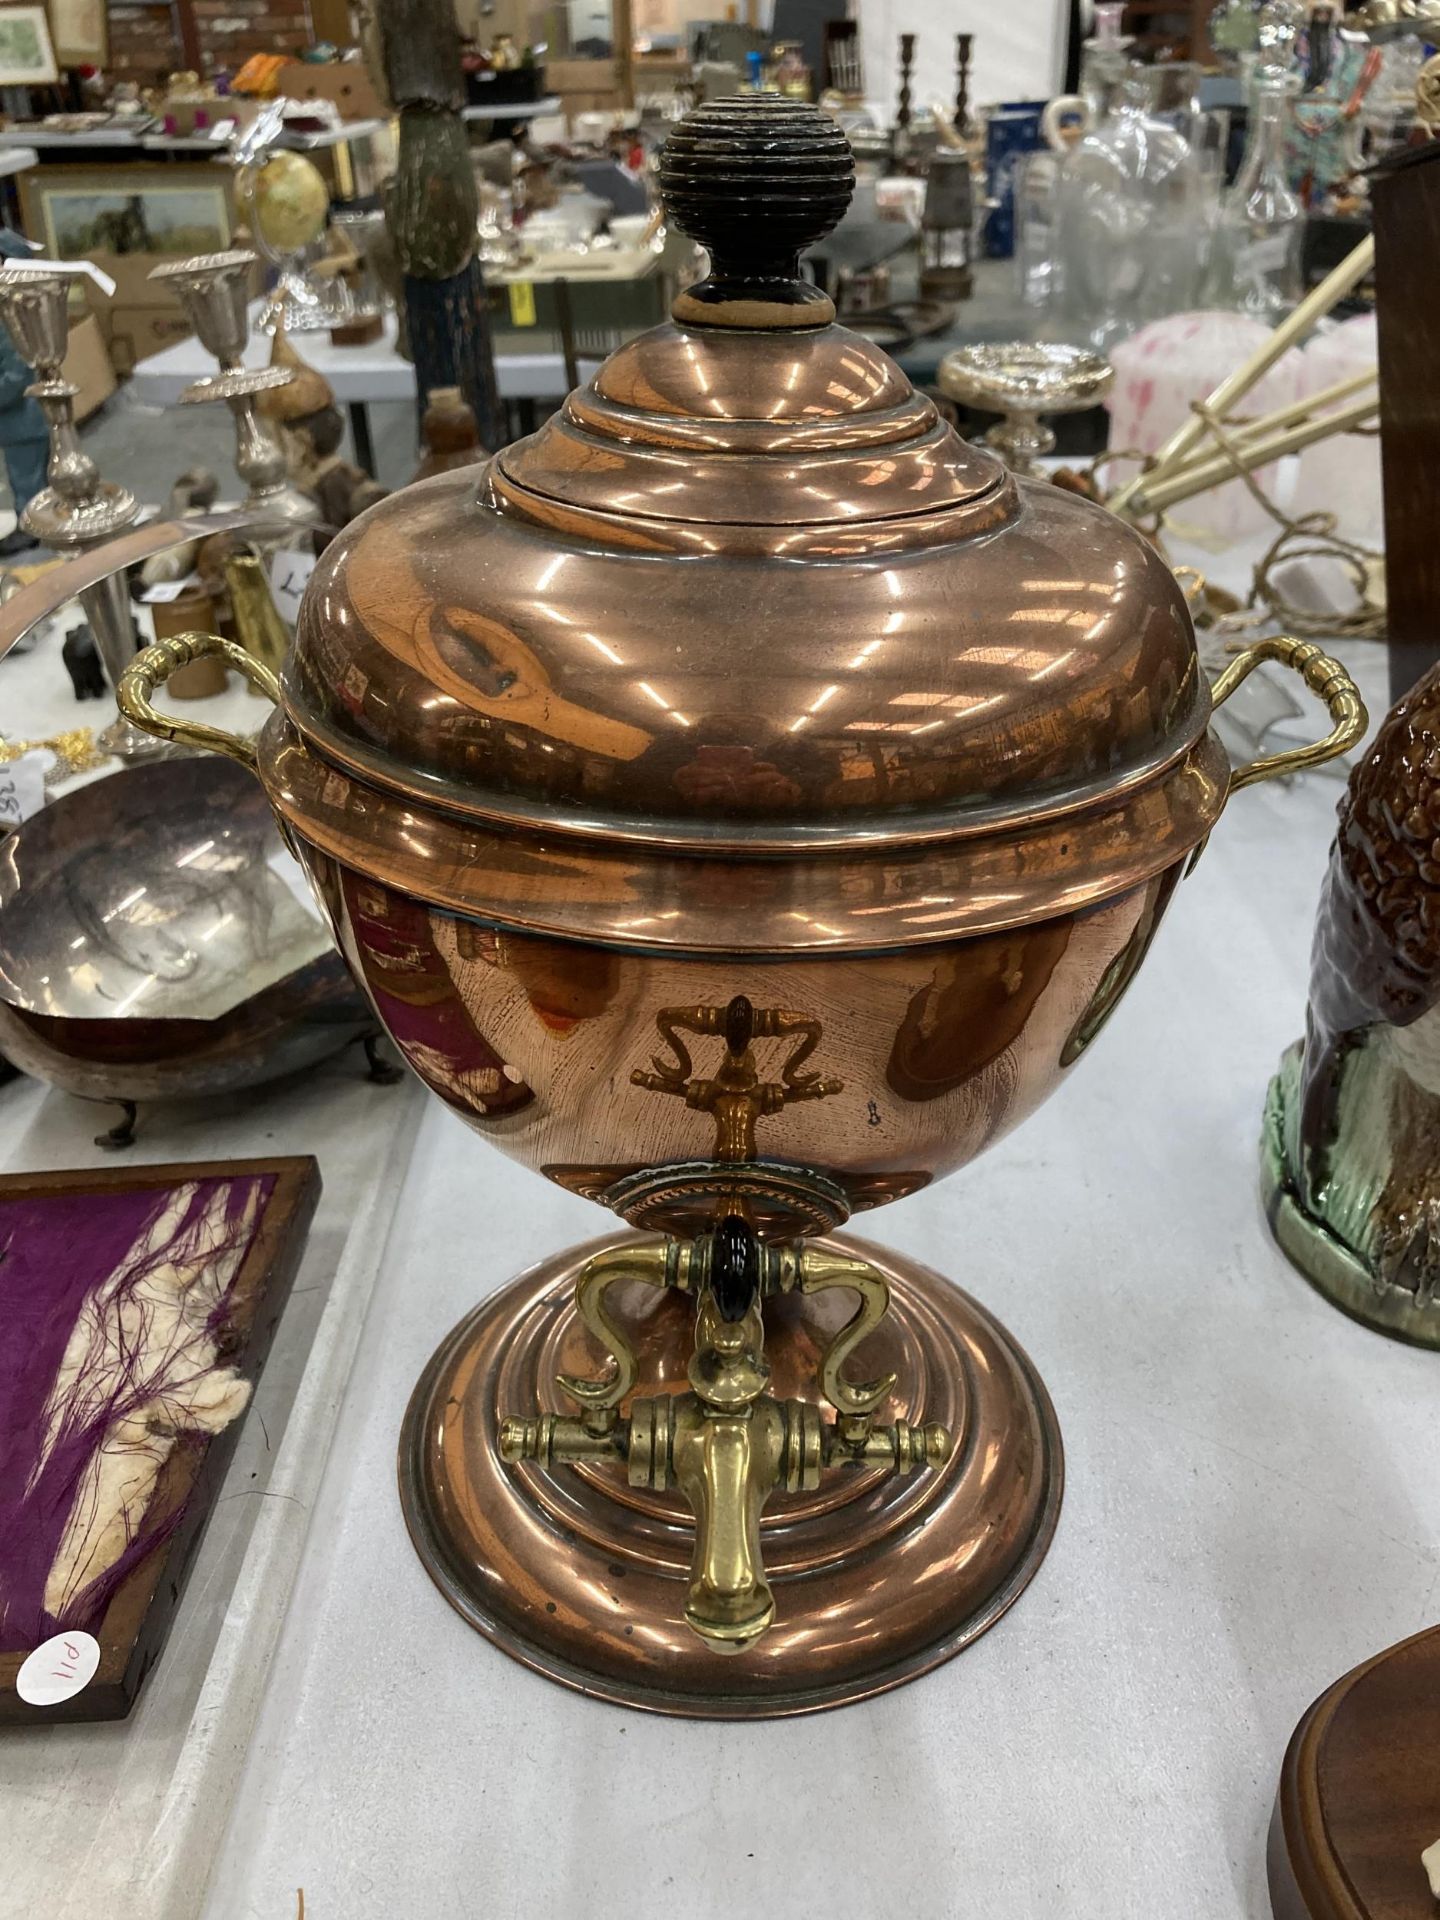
<point>515,109</point>
<point>133,1791</point>
<point>51,138</point>
<point>57,139</point>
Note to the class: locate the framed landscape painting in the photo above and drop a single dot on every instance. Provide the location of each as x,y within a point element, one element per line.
<point>27,58</point>
<point>149,211</point>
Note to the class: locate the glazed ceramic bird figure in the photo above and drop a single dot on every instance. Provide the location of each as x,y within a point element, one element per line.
<point>1352,1123</point>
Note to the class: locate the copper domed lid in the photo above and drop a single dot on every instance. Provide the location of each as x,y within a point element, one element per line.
<point>746,595</point>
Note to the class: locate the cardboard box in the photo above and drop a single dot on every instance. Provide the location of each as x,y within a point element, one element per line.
<point>137,332</point>
<point>346,82</point>
<point>87,366</point>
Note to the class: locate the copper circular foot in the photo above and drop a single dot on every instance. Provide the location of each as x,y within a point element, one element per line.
<point>876,1577</point>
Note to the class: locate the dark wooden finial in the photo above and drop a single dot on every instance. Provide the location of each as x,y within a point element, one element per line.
<point>756,179</point>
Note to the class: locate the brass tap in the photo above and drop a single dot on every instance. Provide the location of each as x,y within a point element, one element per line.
<point>727,1444</point>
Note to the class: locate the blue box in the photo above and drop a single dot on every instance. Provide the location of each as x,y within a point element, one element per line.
<point>1012,131</point>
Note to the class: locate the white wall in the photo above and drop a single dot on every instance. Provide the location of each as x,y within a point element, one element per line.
<point>1019,49</point>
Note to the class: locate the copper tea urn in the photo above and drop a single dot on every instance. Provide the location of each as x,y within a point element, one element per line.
<point>742,802</point>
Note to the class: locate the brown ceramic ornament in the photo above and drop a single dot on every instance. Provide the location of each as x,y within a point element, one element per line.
<point>1351,1159</point>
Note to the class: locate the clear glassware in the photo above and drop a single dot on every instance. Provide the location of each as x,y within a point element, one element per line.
<point>1257,255</point>
<point>1104,63</point>
<point>1387,114</point>
<point>1037,249</point>
<point>1130,221</point>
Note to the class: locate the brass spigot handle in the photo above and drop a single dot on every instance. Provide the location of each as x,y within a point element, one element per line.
<point>1323,676</point>
<point>153,666</point>
<point>724,1467</point>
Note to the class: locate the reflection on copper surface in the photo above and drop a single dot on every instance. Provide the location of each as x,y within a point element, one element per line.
<point>929,1053</point>
<point>564,884</point>
<point>976,1006</point>
<point>581,684</point>
<point>388,941</point>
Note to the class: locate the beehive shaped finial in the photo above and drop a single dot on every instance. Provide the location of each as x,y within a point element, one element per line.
<point>756,179</point>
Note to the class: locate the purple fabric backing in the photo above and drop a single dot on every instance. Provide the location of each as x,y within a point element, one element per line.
<point>55,1252</point>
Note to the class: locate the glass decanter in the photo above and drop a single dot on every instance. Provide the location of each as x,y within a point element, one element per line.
<point>1104,62</point>
<point>1130,221</point>
<point>1257,257</point>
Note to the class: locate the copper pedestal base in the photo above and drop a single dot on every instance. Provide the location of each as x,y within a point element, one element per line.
<point>877,1578</point>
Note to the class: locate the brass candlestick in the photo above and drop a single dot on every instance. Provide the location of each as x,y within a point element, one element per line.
<point>76,510</point>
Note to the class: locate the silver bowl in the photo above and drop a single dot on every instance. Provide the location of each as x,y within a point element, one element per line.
<point>1022,380</point>
<point>157,940</point>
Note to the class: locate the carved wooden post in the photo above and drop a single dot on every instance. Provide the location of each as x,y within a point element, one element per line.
<point>964,46</point>
<point>1405,196</point>
<point>907,61</point>
<point>431,208</point>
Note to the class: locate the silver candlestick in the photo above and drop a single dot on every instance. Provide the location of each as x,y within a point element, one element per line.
<point>76,510</point>
<point>214,290</point>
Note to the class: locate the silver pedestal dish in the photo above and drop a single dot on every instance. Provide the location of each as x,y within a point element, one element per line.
<point>1022,380</point>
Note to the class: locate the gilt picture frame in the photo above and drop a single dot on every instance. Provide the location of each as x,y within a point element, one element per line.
<point>147,212</point>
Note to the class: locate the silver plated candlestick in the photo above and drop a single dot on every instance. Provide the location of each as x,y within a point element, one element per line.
<point>214,289</point>
<point>76,509</point>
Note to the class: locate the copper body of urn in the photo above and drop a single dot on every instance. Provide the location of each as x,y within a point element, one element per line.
<point>742,802</point>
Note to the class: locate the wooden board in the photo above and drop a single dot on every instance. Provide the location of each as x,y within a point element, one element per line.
<point>1405,198</point>
<point>137,1618</point>
<point>1359,1797</point>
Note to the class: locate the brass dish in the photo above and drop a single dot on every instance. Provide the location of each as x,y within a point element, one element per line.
<point>150,947</point>
<point>742,802</point>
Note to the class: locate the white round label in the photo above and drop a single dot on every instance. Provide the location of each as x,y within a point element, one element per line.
<point>58,1669</point>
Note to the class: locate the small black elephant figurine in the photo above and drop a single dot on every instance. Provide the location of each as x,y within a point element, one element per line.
<point>82,663</point>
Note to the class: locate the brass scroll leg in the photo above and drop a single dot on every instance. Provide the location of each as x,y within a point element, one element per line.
<point>727,1444</point>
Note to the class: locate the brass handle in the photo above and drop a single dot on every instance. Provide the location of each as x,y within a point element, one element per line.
<point>1323,676</point>
<point>152,667</point>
